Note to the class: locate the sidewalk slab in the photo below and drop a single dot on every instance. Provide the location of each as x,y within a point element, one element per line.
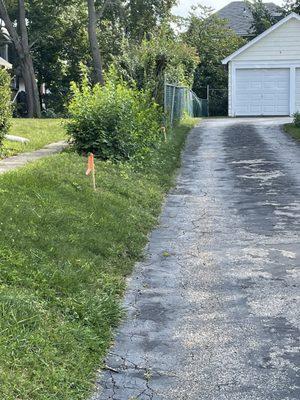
<point>11,163</point>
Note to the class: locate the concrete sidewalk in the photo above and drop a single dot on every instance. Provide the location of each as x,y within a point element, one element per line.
<point>22,159</point>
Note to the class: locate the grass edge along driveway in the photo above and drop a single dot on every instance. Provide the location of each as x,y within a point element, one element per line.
<point>292,130</point>
<point>64,254</point>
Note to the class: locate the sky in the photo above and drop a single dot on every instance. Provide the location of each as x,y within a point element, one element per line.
<point>184,5</point>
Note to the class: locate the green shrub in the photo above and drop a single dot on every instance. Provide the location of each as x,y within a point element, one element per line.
<point>156,59</point>
<point>114,122</point>
<point>5,103</point>
<point>296,120</point>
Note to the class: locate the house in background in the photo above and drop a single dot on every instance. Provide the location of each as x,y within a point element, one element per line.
<point>5,64</point>
<point>240,19</point>
<point>8,59</point>
<point>5,44</point>
<point>264,75</point>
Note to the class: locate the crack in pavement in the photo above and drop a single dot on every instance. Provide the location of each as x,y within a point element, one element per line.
<point>213,311</point>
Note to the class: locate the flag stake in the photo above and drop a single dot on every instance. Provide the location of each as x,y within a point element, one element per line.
<point>91,169</point>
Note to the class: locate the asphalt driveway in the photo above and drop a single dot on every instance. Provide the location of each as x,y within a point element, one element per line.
<point>213,311</point>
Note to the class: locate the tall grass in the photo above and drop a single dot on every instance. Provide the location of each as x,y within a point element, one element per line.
<point>65,251</point>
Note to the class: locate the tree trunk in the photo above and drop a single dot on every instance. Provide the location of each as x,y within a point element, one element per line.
<point>94,42</point>
<point>22,47</point>
<point>31,87</point>
<point>32,93</point>
<point>34,107</point>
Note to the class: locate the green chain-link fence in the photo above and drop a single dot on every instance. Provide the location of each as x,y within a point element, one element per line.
<point>180,101</point>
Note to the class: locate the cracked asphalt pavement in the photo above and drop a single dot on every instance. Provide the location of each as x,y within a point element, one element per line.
<point>213,311</point>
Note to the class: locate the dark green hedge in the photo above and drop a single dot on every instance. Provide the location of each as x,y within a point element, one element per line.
<point>5,103</point>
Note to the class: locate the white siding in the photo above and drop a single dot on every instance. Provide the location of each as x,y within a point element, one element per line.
<point>281,44</point>
<point>264,75</point>
<point>297,85</point>
<point>230,113</point>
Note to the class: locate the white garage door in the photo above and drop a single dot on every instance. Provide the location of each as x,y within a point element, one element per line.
<point>262,92</point>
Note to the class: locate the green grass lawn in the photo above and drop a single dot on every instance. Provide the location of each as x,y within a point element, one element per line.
<point>40,132</point>
<point>65,251</point>
<point>292,130</point>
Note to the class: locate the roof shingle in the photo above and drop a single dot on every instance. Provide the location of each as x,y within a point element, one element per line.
<point>240,18</point>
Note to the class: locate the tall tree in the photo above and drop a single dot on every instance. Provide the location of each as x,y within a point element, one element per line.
<point>163,56</point>
<point>59,38</point>
<point>214,41</point>
<point>142,17</point>
<point>58,32</point>
<point>92,29</point>
<point>262,18</point>
<point>21,43</point>
<point>291,6</point>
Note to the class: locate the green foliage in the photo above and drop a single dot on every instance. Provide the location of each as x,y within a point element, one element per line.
<point>58,33</point>
<point>5,103</point>
<point>262,19</point>
<point>64,253</point>
<point>214,41</point>
<point>296,119</point>
<point>291,6</point>
<point>115,122</point>
<point>142,17</point>
<point>162,56</point>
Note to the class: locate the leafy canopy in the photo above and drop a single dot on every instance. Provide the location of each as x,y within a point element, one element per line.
<point>59,40</point>
<point>162,56</point>
<point>214,41</point>
<point>262,18</point>
<point>291,6</point>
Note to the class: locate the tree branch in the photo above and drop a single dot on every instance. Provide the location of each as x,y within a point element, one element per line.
<point>22,24</point>
<point>9,26</point>
<point>100,13</point>
<point>33,43</point>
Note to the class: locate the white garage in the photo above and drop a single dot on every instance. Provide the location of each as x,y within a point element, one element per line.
<point>264,75</point>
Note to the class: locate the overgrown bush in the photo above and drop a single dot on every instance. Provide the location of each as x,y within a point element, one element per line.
<point>5,103</point>
<point>296,120</point>
<point>162,56</point>
<point>114,122</point>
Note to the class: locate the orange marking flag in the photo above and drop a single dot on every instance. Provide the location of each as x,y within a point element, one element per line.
<point>91,164</point>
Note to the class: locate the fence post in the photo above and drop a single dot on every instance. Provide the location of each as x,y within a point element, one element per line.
<point>180,101</point>
<point>173,104</point>
<point>165,95</point>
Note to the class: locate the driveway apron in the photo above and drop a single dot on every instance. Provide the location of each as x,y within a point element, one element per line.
<point>213,311</point>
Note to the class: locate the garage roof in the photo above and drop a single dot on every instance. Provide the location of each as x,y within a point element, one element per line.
<point>261,36</point>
